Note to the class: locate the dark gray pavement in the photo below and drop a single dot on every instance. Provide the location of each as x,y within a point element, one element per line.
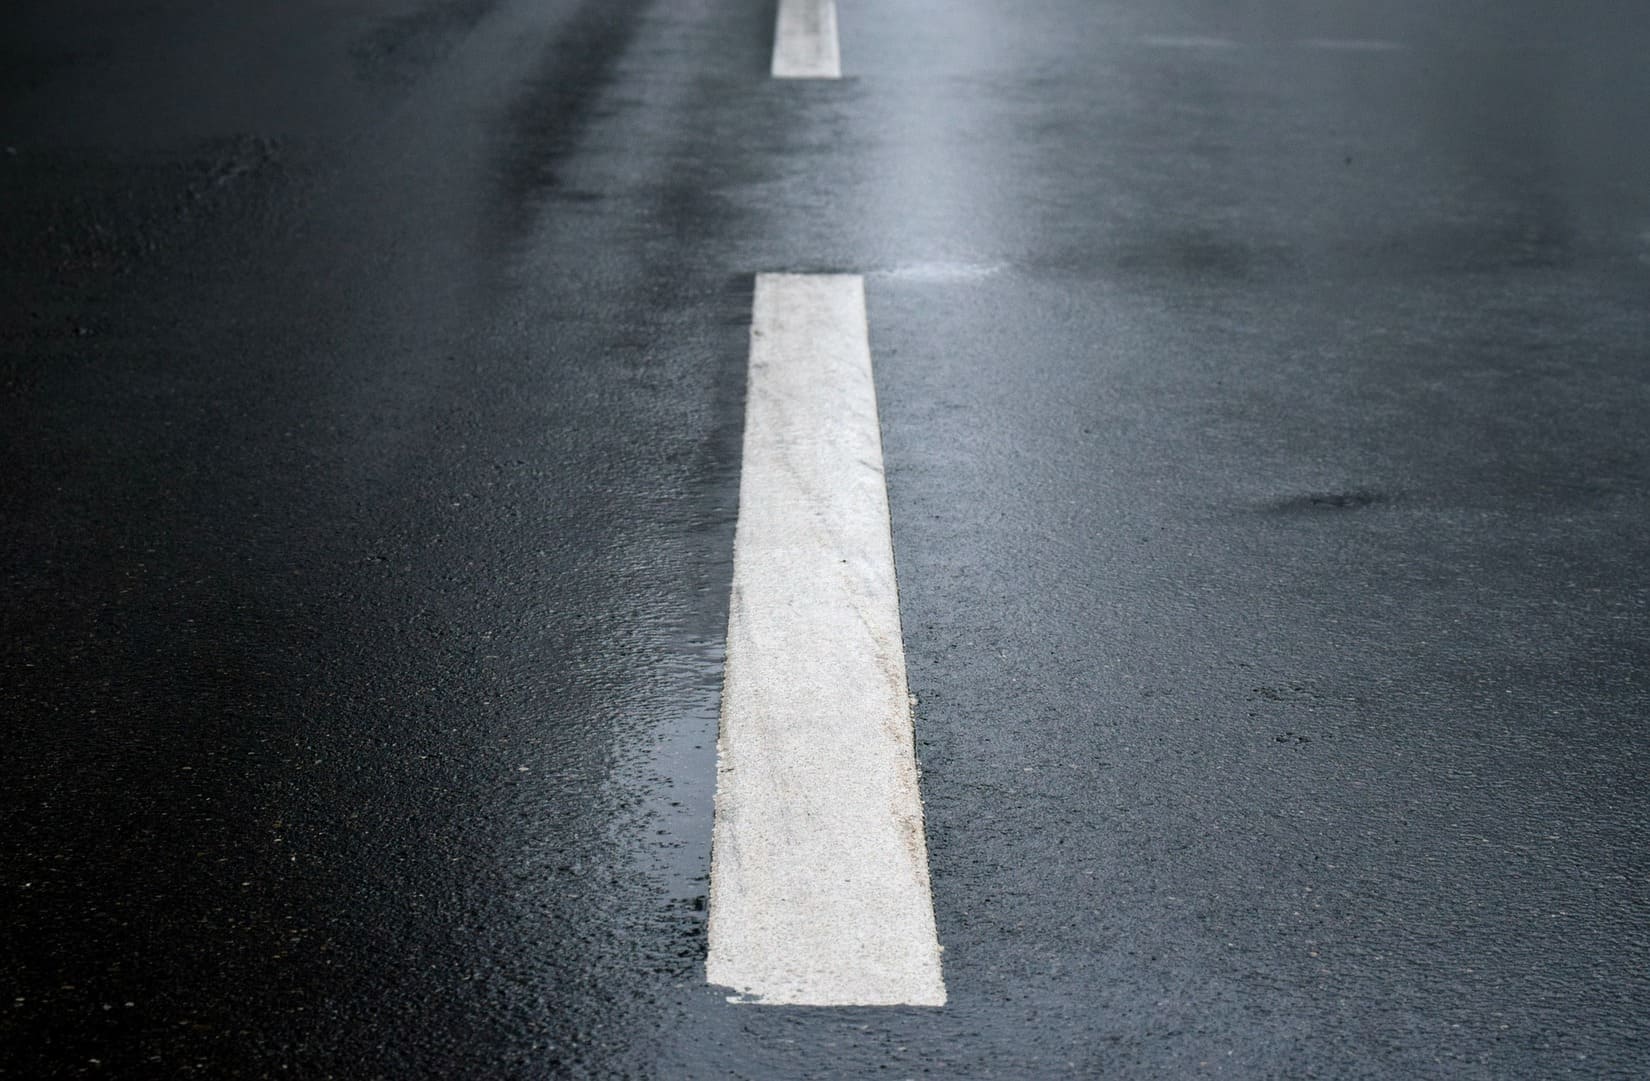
<point>1263,390</point>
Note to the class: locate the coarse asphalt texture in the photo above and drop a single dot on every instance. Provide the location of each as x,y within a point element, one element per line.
<point>1263,390</point>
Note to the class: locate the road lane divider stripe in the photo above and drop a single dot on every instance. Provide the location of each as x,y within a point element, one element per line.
<point>819,890</point>
<point>1354,45</point>
<point>805,41</point>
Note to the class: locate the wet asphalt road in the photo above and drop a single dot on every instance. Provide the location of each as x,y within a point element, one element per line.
<point>1263,394</point>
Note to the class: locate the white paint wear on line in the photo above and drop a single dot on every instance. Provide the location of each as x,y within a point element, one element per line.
<point>805,41</point>
<point>819,890</point>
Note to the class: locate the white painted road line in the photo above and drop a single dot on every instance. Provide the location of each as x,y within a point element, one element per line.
<point>804,41</point>
<point>1160,41</point>
<point>819,889</point>
<point>1354,45</point>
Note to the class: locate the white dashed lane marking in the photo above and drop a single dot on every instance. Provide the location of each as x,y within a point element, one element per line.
<point>819,889</point>
<point>805,41</point>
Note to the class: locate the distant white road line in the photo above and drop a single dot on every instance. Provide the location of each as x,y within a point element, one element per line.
<point>804,41</point>
<point>1354,45</point>
<point>819,890</point>
<point>1162,41</point>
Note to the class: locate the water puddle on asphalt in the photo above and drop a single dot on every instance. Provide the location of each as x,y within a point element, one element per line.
<point>668,772</point>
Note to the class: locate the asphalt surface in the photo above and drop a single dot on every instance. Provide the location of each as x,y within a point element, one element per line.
<point>1263,392</point>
